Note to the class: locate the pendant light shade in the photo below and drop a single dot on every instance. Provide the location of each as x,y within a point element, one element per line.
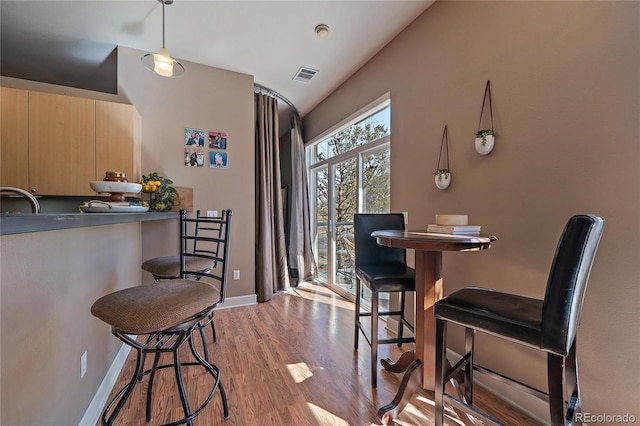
<point>162,63</point>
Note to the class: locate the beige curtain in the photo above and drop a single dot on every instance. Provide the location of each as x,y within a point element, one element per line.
<point>271,254</point>
<point>300,248</point>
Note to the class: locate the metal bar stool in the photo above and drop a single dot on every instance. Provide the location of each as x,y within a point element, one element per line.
<point>204,248</point>
<point>168,312</point>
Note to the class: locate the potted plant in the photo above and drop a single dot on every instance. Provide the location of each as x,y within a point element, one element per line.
<point>484,141</point>
<point>162,193</point>
<point>443,178</point>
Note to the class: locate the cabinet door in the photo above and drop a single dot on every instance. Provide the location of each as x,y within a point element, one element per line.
<point>62,144</point>
<point>118,139</point>
<point>14,138</point>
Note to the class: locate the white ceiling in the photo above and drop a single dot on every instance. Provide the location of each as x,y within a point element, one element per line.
<point>270,40</point>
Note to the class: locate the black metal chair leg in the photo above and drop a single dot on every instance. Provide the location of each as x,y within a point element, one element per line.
<point>441,365</point>
<point>212,369</point>
<point>401,319</point>
<point>573,383</point>
<point>555,377</point>
<point>357,309</point>
<point>213,328</point>
<point>152,375</point>
<point>469,336</point>
<point>374,338</point>
<point>204,341</point>
<point>125,393</point>
<point>180,383</point>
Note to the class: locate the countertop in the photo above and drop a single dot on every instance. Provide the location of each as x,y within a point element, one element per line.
<point>25,223</point>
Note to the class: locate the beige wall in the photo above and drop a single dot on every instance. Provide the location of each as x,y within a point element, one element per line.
<point>46,319</point>
<point>566,95</point>
<point>209,99</point>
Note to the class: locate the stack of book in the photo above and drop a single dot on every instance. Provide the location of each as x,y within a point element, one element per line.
<point>454,229</point>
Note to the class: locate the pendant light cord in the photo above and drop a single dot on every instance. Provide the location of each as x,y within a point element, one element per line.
<point>163,23</point>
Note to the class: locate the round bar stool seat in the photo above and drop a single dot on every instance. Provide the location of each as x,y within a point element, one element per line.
<point>167,312</point>
<point>168,267</point>
<point>155,307</point>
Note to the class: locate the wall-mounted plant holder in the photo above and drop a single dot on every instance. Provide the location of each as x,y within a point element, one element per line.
<point>485,138</point>
<point>484,141</point>
<point>443,174</point>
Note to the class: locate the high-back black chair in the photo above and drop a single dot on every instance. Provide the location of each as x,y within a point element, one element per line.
<point>548,325</point>
<point>168,313</point>
<point>381,269</point>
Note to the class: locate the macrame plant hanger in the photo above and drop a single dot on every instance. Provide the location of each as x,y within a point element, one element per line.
<point>443,175</point>
<point>485,138</point>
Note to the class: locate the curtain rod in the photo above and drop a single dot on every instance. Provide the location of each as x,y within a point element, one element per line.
<point>266,91</point>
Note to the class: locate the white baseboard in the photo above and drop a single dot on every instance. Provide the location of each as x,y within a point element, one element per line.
<point>94,410</point>
<point>234,302</point>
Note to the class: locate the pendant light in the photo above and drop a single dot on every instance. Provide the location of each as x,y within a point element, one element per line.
<point>162,63</point>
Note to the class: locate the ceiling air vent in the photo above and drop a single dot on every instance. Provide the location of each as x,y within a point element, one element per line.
<point>305,74</point>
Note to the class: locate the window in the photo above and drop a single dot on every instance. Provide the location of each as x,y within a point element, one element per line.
<point>349,172</point>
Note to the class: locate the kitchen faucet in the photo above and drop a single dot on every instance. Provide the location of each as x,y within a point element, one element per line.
<point>35,205</point>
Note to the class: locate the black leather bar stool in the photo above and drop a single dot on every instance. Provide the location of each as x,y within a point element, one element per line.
<point>548,325</point>
<point>381,269</point>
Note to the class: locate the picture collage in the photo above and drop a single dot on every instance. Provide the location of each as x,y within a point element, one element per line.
<point>197,148</point>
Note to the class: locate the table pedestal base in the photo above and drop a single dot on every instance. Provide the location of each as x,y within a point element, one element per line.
<point>412,369</point>
<point>410,382</point>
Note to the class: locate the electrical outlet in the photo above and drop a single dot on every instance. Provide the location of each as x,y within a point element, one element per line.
<point>406,217</point>
<point>83,364</point>
<point>236,274</point>
<point>212,213</point>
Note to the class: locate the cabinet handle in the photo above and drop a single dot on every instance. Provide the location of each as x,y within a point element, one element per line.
<point>33,190</point>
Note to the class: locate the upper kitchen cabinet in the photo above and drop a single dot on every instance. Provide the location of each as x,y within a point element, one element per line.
<point>56,144</point>
<point>118,139</point>
<point>14,138</point>
<point>62,144</point>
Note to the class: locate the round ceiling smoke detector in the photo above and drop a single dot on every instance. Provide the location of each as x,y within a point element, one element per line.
<point>322,31</point>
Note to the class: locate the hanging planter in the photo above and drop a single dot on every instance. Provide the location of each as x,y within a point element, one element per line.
<point>443,174</point>
<point>443,178</point>
<point>485,138</point>
<point>484,141</point>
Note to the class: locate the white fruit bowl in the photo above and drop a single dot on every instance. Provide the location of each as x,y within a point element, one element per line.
<point>116,187</point>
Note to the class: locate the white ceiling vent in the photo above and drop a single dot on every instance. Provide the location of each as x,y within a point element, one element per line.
<point>305,74</point>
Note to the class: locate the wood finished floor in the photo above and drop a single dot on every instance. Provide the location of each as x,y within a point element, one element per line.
<point>291,362</point>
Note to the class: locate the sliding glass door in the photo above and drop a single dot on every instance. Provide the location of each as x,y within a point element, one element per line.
<point>349,173</point>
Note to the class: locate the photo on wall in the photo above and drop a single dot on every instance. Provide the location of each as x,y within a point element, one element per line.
<point>217,140</point>
<point>194,157</point>
<point>193,137</point>
<point>217,159</point>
